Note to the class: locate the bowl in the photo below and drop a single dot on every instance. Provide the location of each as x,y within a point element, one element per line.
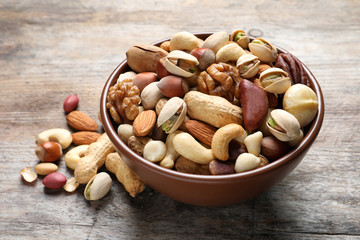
<point>213,190</point>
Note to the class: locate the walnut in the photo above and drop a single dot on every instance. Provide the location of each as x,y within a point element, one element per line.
<point>219,79</point>
<point>123,101</point>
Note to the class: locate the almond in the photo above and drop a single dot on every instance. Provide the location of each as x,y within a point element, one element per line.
<point>201,131</point>
<point>85,137</point>
<point>144,123</point>
<point>81,121</point>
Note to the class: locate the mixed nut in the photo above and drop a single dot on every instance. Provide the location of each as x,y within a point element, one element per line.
<point>91,152</point>
<point>220,105</point>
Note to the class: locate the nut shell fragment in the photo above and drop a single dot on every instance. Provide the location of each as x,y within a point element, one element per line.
<point>28,174</point>
<point>71,185</point>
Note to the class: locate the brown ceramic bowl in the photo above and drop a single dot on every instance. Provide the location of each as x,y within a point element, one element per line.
<point>210,190</point>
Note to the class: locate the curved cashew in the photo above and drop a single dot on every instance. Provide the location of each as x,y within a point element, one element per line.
<point>188,147</point>
<point>73,156</point>
<point>221,139</point>
<point>60,135</point>
<point>171,154</point>
<point>253,143</point>
<point>229,52</point>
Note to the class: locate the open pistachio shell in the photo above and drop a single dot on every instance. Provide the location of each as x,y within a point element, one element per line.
<point>275,80</point>
<point>229,53</point>
<point>240,38</point>
<point>301,101</point>
<point>172,115</point>
<point>184,41</point>
<point>98,186</point>
<point>283,125</point>
<point>172,61</point>
<point>264,50</point>
<point>216,40</point>
<point>248,65</point>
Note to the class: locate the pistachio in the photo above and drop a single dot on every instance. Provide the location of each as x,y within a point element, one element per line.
<point>181,63</point>
<point>283,125</point>
<point>248,65</point>
<point>263,49</point>
<point>172,114</point>
<point>275,80</point>
<point>240,38</point>
<point>98,186</point>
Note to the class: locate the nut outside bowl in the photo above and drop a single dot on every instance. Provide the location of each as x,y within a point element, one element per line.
<point>217,190</point>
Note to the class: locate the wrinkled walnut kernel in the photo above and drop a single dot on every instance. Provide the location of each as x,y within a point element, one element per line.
<point>123,101</point>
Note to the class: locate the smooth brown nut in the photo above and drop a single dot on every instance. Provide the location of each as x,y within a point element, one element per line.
<point>144,57</point>
<point>205,56</point>
<point>254,104</point>
<point>81,121</point>
<point>272,148</point>
<point>173,86</point>
<point>144,123</point>
<point>141,80</point>
<point>235,149</point>
<point>161,71</point>
<point>71,103</point>
<point>220,168</point>
<point>48,151</point>
<point>54,180</point>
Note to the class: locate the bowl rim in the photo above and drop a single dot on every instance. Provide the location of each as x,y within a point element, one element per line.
<point>308,139</point>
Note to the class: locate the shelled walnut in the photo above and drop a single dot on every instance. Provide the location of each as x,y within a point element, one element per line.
<point>123,101</point>
<point>218,79</point>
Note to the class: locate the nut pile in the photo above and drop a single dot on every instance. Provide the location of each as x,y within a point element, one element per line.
<point>221,105</point>
<point>92,150</point>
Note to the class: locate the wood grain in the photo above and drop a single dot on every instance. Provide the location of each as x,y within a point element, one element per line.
<point>52,49</point>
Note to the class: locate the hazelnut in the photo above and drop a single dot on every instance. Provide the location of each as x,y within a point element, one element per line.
<point>48,151</point>
<point>173,86</point>
<point>205,56</point>
<point>272,148</point>
<point>161,71</point>
<point>141,80</point>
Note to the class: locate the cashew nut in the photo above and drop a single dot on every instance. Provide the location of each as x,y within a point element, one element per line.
<point>125,131</point>
<point>246,162</point>
<point>154,151</point>
<point>94,158</point>
<point>132,183</point>
<point>171,153</point>
<point>73,156</point>
<point>60,135</point>
<point>253,143</point>
<point>187,146</point>
<point>221,139</point>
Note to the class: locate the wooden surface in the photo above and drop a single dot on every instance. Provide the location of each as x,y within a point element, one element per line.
<point>51,49</point>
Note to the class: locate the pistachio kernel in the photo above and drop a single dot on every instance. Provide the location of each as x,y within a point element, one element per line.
<point>238,36</point>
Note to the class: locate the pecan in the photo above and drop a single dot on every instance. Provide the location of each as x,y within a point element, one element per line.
<point>220,79</point>
<point>123,100</point>
<point>293,67</point>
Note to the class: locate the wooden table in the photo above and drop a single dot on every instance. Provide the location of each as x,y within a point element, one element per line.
<point>52,49</point>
